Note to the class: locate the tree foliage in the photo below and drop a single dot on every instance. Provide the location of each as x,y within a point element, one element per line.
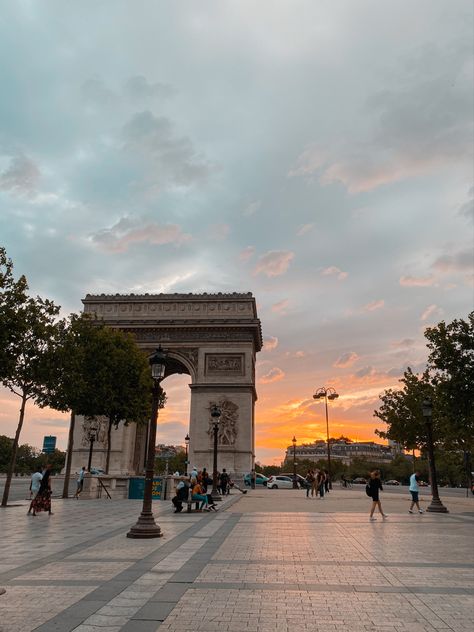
<point>448,380</point>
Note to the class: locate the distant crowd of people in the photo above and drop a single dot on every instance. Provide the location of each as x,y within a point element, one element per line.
<point>317,482</point>
<point>195,487</point>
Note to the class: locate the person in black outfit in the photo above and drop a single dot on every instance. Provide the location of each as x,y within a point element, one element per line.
<point>181,496</point>
<point>374,487</point>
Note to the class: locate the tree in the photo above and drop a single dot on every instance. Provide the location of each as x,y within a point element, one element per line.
<point>401,410</point>
<point>451,366</point>
<point>27,355</point>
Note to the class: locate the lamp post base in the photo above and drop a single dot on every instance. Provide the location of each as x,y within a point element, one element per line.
<point>436,506</point>
<point>145,527</point>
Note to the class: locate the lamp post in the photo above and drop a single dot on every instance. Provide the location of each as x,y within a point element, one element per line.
<point>327,393</point>
<point>295,483</point>
<point>92,433</point>
<point>186,443</point>
<point>436,504</point>
<point>215,417</point>
<point>146,526</point>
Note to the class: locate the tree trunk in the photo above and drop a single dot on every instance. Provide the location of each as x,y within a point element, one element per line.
<point>70,445</point>
<point>109,437</point>
<point>11,467</point>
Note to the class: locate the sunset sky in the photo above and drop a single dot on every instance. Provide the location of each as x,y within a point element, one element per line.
<point>317,154</point>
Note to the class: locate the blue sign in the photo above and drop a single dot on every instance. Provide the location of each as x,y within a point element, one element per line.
<point>136,488</point>
<point>49,444</point>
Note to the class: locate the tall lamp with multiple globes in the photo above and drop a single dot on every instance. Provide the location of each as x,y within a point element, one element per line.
<point>146,526</point>
<point>215,418</point>
<point>186,443</point>
<point>295,482</point>
<point>436,506</point>
<point>327,393</point>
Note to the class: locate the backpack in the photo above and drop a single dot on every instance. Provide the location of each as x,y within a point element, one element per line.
<point>367,490</point>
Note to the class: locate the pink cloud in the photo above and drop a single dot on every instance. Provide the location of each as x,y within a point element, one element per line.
<point>371,307</point>
<point>346,360</point>
<point>247,253</point>
<point>274,263</point>
<point>412,281</point>
<point>219,231</point>
<point>334,271</point>
<point>274,375</point>
<point>128,231</point>
<point>431,310</point>
<point>304,229</point>
<point>403,344</point>
<point>280,306</point>
<point>270,343</point>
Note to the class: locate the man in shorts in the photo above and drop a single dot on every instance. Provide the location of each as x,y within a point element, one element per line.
<point>414,490</point>
<point>80,482</point>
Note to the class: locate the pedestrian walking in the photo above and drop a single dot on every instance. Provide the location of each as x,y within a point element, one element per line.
<point>320,479</point>
<point>374,487</point>
<point>80,481</point>
<point>326,481</point>
<point>42,502</point>
<point>224,482</point>
<point>414,491</point>
<point>309,482</point>
<point>35,484</point>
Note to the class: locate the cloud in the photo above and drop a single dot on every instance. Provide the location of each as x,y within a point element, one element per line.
<point>365,371</point>
<point>270,343</point>
<point>413,281</point>
<point>247,253</point>
<point>95,91</point>
<point>138,87</point>
<point>422,123</point>
<point>251,208</point>
<point>219,231</point>
<point>305,228</point>
<point>467,209</point>
<point>431,310</point>
<point>274,375</point>
<point>274,263</point>
<point>372,306</point>
<point>346,360</point>
<point>128,231</point>
<point>168,159</point>
<point>403,344</point>
<point>21,177</point>
<point>334,271</point>
<point>281,306</point>
<point>462,261</point>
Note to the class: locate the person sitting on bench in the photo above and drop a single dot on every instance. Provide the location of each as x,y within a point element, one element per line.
<point>198,494</point>
<point>181,496</point>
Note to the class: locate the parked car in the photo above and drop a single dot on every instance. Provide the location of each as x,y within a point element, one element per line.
<point>280,482</point>
<point>359,481</point>
<point>302,482</point>
<point>423,484</point>
<point>260,480</point>
<point>392,481</point>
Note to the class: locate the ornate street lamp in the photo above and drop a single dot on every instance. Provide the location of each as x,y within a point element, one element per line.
<point>436,504</point>
<point>295,483</point>
<point>215,417</point>
<point>186,443</point>
<point>146,526</point>
<point>327,393</point>
<point>91,433</point>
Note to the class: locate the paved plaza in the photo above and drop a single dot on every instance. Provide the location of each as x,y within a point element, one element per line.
<point>268,561</point>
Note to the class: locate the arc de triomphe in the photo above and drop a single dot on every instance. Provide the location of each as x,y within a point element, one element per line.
<point>214,339</point>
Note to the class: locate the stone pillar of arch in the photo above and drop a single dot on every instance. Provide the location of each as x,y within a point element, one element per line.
<point>214,339</point>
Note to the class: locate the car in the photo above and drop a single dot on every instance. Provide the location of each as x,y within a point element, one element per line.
<point>280,482</point>
<point>359,481</point>
<point>392,481</point>
<point>423,484</point>
<point>302,482</point>
<point>260,480</point>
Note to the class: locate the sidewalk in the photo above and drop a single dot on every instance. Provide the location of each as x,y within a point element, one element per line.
<point>242,569</point>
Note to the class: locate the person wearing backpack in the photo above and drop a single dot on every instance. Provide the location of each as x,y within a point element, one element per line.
<point>374,486</point>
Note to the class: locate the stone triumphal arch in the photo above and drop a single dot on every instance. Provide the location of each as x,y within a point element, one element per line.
<point>214,339</point>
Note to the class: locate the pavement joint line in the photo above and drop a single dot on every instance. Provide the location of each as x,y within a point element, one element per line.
<point>67,620</point>
<point>344,563</point>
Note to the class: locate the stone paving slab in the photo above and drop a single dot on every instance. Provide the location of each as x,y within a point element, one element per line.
<point>237,572</point>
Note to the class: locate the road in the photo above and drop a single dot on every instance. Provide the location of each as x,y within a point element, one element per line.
<point>20,487</point>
